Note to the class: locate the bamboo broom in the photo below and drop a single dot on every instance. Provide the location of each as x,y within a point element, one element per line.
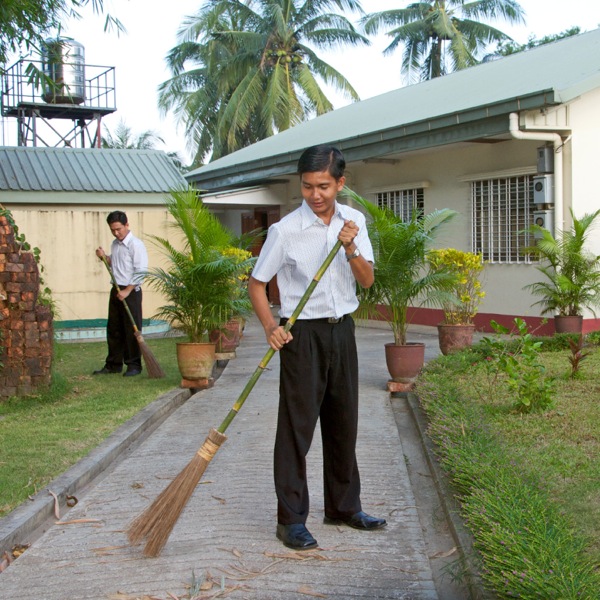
<point>157,521</point>
<point>154,369</point>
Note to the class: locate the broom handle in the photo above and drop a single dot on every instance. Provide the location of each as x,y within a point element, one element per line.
<point>116,286</point>
<point>267,357</point>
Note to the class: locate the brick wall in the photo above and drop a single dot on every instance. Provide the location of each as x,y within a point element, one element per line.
<point>25,327</point>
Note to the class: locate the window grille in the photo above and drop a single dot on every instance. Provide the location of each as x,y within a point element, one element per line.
<point>403,202</point>
<point>502,212</point>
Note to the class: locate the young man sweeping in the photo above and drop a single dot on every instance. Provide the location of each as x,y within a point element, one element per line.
<point>319,365</point>
<point>128,260</point>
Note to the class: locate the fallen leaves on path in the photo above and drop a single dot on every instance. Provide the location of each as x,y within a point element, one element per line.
<point>308,592</point>
<point>75,521</point>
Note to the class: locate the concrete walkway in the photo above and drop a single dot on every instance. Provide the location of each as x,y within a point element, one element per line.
<point>225,537</point>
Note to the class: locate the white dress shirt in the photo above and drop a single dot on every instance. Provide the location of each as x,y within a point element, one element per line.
<point>294,250</point>
<point>129,260</point>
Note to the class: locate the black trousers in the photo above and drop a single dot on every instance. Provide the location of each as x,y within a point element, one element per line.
<point>318,380</point>
<point>123,347</point>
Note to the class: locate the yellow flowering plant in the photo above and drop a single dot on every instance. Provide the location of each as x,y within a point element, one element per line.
<point>467,294</point>
<point>240,256</point>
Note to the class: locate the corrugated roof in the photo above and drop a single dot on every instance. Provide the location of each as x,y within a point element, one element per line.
<point>87,170</point>
<point>547,75</point>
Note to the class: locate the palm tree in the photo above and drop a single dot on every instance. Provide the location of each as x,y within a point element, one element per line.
<point>441,36</point>
<point>124,138</point>
<point>252,70</point>
<point>201,279</point>
<point>572,271</point>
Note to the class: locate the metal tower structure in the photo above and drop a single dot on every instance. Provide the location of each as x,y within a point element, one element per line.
<point>58,101</point>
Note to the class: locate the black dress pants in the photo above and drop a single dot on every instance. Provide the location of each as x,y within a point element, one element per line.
<point>318,380</point>
<point>123,347</point>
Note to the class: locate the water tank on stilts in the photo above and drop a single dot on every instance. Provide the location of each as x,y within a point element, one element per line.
<point>63,63</point>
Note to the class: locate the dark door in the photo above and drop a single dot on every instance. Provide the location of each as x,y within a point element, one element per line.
<point>262,218</point>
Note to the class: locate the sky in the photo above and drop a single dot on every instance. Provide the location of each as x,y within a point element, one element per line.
<point>139,55</point>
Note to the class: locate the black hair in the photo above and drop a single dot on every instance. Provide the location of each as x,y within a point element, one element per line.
<point>117,216</point>
<point>322,158</point>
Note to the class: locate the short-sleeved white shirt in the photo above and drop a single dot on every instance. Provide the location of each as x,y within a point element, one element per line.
<point>129,260</point>
<point>294,250</point>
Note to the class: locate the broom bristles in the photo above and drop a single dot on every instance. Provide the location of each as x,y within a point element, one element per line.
<point>154,369</point>
<point>157,521</point>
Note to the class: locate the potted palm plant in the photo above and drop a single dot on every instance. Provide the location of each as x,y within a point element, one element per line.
<point>402,279</point>
<point>198,280</point>
<point>572,273</point>
<point>456,330</point>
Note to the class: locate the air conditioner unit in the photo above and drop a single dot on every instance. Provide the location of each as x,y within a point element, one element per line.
<point>545,219</point>
<point>545,159</point>
<point>543,189</point>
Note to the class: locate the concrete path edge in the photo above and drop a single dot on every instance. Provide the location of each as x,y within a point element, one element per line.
<point>460,533</point>
<point>26,522</point>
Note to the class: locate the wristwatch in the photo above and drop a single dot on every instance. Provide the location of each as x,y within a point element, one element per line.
<point>355,254</point>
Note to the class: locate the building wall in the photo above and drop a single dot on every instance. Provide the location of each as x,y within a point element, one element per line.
<point>444,174</point>
<point>68,237</point>
<point>585,119</point>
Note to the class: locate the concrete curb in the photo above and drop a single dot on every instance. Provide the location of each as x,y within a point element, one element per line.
<point>30,519</point>
<point>462,537</point>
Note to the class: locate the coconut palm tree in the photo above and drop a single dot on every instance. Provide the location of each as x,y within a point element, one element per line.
<point>244,70</point>
<point>125,139</point>
<point>440,36</point>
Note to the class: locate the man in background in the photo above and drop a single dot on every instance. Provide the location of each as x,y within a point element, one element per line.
<point>128,260</point>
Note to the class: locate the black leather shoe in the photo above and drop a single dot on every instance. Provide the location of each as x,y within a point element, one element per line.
<point>296,536</point>
<point>105,371</point>
<point>132,372</point>
<point>359,520</point>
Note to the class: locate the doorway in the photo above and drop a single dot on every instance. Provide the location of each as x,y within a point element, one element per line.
<point>261,219</point>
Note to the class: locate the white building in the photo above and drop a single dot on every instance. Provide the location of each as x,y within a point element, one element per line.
<point>477,141</point>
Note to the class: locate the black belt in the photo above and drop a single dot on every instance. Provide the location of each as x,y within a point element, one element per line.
<point>331,320</point>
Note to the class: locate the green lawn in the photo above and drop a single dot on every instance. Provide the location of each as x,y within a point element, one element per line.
<point>529,484</point>
<point>42,436</point>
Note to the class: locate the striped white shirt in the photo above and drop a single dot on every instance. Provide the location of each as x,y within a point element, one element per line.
<point>129,260</point>
<point>294,250</point>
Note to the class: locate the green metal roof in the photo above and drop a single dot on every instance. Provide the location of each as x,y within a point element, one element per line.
<point>465,105</point>
<point>87,170</point>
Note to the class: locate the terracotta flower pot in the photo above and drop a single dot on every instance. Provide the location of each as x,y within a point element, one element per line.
<point>404,362</point>
<point>195,361</point>
<point>568,324</point>
<point>453,338</point>
<point>228,338</point>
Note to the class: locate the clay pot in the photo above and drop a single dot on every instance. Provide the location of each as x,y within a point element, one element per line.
<point>195,360</point>
<point>404,362</point>
<point>568,324</point>
<point>226,339</point>
<point>454,338</point>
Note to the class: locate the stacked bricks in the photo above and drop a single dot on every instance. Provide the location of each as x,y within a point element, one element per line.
<point>26,330</point>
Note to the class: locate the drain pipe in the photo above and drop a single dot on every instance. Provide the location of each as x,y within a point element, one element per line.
<point>556,139</point>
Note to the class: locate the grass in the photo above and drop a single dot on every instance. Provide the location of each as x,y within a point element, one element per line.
<point>529,484</point>
<point>41,436</point>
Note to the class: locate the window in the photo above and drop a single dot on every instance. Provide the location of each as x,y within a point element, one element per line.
<point>502,211</point>
<point>403,202</point>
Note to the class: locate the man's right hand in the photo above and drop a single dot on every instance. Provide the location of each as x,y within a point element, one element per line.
<point>278,337</point>
<point>100,252</point>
